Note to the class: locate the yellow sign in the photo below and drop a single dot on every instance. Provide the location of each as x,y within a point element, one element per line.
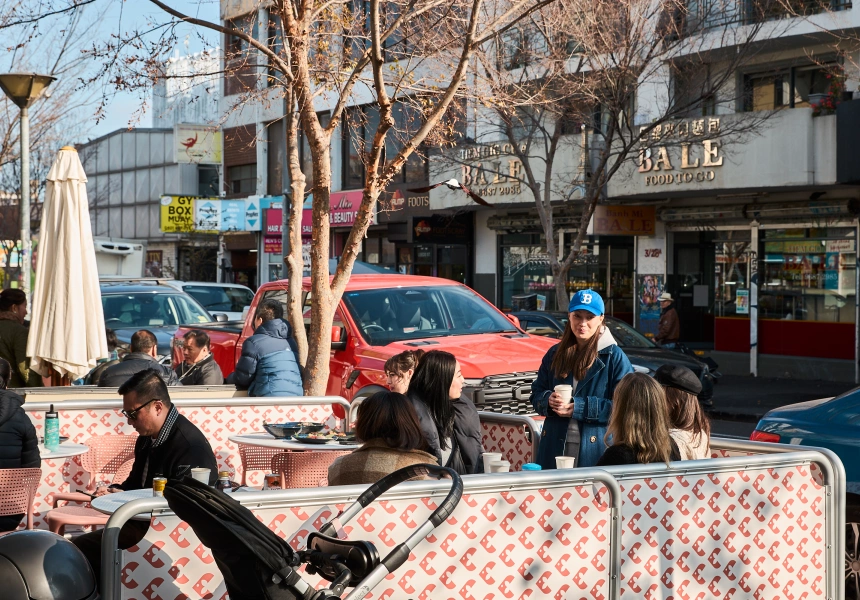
<point>177,214</point>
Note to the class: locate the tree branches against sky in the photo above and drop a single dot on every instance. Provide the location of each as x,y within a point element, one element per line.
<point>34,30</point>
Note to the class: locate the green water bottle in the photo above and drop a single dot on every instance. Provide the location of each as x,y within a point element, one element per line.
<point>52,430</point>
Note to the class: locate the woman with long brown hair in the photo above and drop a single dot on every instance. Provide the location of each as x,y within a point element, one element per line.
<point>400,368</point>
<point>589,360</point>
<point>689,425</point>
<point>639,425</point>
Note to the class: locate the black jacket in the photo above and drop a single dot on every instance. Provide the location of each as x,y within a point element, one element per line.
<point>19,447</point>
<point>622,454</point>
<point>132,363</point>
<point>205,372</point>
<point>186,445</point>
<point>467,435</point>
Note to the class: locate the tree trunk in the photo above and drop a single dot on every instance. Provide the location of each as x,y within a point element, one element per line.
<point>559,277</point>
<point>294,261</point>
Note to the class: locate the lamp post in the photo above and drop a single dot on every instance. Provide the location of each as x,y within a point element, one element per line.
<point>23,89</point>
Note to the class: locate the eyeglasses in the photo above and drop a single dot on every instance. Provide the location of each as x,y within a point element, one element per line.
<point>131,415</point>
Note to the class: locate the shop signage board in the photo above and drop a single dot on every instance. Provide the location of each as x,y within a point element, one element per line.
<point>177,214</point>
<point>652,255</point>
<point>197,144</point>
<point>439,229</point>
<point>253,216</point>
<point>624,220</point>
<point>207,215</point>
<point>232,215</point>
<point>402,204</point>
<point>742,302</point>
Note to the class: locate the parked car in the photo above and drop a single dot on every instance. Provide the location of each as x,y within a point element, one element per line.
<point>381,315</point>
<point>645,355</point>
<point>231,299</point>
<point>832,423</point>
<point>129,307</point>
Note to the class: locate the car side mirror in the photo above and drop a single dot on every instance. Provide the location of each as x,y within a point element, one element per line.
<point>221,318</point>
<point>338,338</point>
<point>514,320</point>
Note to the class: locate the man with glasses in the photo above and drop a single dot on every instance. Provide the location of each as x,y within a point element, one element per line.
<point>169,446</point>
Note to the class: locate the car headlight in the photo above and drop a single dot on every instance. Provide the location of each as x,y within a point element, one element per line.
<point>641,369</point>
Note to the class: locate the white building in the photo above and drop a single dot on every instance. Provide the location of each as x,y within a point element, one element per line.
<point>189,91</point>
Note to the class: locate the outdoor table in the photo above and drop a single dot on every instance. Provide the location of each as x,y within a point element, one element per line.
<point>65,450</point>
<point>265,440</point>
<point>109,503</point>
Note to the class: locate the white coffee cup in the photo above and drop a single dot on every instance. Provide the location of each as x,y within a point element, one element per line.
<point>201,474</point>
<point>564,462</point>
<point>500,466</point>
<point>565,391</point>
<point>490,457</point>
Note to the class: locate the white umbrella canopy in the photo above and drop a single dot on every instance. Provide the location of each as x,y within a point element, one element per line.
<point>67,325</point>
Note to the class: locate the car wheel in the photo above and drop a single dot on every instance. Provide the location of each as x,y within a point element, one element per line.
<point>852,561</point>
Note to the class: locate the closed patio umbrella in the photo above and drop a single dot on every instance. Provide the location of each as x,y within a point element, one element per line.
<point>67,326</point>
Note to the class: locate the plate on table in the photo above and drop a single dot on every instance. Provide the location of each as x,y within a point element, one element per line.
<point>314,438</point>
<point>346,439</point>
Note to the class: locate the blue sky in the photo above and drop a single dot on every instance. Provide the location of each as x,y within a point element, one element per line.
<point>127,15</point>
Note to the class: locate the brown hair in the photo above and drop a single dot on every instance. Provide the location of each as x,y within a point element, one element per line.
<point>390,417</point>
<point>685,412</point>
<point>400,363</point>
<point>569,358</point>
<point>640,419</point>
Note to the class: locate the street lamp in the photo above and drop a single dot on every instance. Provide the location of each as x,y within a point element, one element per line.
<point>23,89</point>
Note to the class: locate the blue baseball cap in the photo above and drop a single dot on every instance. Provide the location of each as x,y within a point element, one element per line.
<point>587,300</point>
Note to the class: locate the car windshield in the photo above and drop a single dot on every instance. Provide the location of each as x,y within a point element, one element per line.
<point>215,299</point>
<point>396,314</point>
<point>145,309</point>
<point>626,336</point>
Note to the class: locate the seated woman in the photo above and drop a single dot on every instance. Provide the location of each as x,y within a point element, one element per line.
<point>392,439</point>
<point>448,419</point>
<point>19,446</point>
<point>639,425</point>
<point>400,368</point>
<point>690,427</point>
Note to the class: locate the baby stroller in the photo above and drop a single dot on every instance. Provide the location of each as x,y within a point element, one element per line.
<point>259,565</point>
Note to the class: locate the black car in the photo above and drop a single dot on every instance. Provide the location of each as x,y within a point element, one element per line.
<point>645,355</point>
<point>161,309</point>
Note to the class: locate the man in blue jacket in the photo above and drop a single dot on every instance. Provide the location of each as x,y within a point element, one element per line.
<point>269,363</point>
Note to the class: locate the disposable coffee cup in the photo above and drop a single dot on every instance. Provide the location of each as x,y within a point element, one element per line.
<point>500,466</point>
<point>564,462</point>
<point>201,475</point>
<point>490,457</point>
<point>565,391</point>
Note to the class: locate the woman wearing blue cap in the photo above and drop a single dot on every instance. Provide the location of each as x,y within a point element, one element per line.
<point>588,359</point>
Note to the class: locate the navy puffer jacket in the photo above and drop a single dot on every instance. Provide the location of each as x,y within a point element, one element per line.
<point>268,365</point>
<point>19,447</point>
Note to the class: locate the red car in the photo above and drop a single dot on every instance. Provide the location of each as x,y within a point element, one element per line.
<point>382,315</point>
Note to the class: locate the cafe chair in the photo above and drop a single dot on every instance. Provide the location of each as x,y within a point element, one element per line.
<point>109,457</point>
<point>256,458</point>
<point>18,492</point>
<point>304,469</point>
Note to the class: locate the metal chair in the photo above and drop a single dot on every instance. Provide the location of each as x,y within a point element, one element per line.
<point>304,469</point>
<point>256,458</point>
<point>108,455</point>
<point>18,491</point>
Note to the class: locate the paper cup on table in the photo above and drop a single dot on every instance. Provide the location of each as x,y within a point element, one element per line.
<point>564,462</point>
<point>500,466</point>
<point>201,475</point>
<point>490,457</point>
<point>565,391</point>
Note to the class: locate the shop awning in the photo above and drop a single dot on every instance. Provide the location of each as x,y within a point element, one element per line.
<point>762,212</point>
<point>529,221</point>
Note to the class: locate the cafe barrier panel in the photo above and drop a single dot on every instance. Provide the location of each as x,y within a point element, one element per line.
<point>758,526</point>
<point>515,436</point>
<point>218,419</point>
<point>513,535</point>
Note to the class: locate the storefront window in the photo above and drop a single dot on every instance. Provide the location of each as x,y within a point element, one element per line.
<point>734,260</point>
<point>808,275</point>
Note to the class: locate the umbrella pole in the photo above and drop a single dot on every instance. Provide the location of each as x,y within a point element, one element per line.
<point>58,380</point>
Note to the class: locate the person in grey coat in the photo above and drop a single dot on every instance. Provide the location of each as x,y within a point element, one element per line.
<point>269,363</point>
<point>143,356</point>
<point>199,366</point>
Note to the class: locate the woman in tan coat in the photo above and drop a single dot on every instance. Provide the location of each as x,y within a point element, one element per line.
<point>392,439</point>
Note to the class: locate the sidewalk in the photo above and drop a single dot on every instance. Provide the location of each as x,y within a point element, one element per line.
<point>745,398</point>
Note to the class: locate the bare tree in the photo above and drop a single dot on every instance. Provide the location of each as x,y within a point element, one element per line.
<point>338,53</point>
<point>609,81</point>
